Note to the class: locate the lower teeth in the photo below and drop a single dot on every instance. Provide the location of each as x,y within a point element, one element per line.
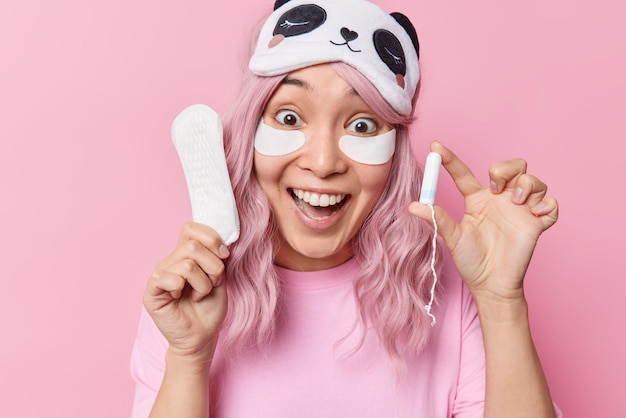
<point>313,212</point>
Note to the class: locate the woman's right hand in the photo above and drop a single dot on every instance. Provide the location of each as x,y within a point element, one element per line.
<point>184,295</point>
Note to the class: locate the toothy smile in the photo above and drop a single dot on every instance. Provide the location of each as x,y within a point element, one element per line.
<point>318,199</point>
<point>318,206</point>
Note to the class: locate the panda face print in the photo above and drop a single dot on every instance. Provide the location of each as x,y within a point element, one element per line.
<point>307,32</point>
<point>304,19</point>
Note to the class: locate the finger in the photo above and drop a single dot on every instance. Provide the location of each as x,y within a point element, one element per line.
<point>529,189</point>
<point>201,284</point>
<point>206,235</point>
<point>162,287</point>
<point>208,258</point>
<point>547,210</point>
<point>461,174</point>
<point>204,258</point>
<point>447,227</point>
<point>501,173</point>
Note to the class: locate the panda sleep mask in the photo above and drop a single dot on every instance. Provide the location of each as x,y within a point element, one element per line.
<point>383,47</point>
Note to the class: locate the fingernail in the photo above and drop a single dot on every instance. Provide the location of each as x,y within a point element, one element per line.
<point>539,207</point>
<point>223,251</point>
<point>494,186</point>
<point>517,197</point>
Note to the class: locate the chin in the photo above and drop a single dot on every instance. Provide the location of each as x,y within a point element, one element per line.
<point>320,249</point>
<point>316,254</point>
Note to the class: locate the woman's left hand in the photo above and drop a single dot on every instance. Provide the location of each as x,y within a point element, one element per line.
<point>494,242</point>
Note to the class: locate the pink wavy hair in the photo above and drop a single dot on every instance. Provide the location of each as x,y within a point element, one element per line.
<point>393,248</point>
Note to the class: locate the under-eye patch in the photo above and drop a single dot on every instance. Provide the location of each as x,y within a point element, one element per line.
<point>371,150</point>
<point>273,142</point>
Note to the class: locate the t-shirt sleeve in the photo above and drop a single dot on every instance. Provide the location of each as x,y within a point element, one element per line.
<point>147,365</point>
<point>470,399</point>
<point>470,395</point>
<point>559,414</point>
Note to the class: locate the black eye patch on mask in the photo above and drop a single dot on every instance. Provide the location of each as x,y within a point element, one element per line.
<point>300,20</point>
<point>390,51</point>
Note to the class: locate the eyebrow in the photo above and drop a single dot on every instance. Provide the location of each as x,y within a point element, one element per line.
<point>296,82</point>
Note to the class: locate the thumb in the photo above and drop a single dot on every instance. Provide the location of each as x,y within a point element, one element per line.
<point>446,225</point>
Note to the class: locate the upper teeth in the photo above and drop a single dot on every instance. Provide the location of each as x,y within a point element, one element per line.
<point>317,199</point>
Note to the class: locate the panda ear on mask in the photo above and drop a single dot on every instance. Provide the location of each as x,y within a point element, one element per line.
<point>279,3</point>
<point>383,47</point>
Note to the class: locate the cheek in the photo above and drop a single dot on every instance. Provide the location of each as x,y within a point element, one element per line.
<point>268,171</point>
<point>373,183</point>
<point>374,178</point>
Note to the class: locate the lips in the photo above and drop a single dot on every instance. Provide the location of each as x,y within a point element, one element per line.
<point>318,206</point>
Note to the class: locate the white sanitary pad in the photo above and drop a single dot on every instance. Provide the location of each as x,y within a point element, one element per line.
<point>198,139</point>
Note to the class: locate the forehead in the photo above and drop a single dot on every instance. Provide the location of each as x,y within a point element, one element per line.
<point>317,79</point>
<point>318,74</point>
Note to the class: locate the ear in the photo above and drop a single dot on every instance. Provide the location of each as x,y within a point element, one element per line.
<point>408,27</point>
<point>279,3</point>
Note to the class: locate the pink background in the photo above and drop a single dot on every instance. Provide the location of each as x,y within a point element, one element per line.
<point>93,194</point>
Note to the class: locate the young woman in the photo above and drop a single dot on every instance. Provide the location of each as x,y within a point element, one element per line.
<point>320,308</point>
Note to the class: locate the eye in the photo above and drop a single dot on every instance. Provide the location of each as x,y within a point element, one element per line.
<point>288,118</point>
<point>363,126</point>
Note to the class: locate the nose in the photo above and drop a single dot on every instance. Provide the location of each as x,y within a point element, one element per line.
<point>321,154</point>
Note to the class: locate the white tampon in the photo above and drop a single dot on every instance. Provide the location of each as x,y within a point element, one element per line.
<point>427,196</point>
<point>198,139</point>
<point>431,177</point>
